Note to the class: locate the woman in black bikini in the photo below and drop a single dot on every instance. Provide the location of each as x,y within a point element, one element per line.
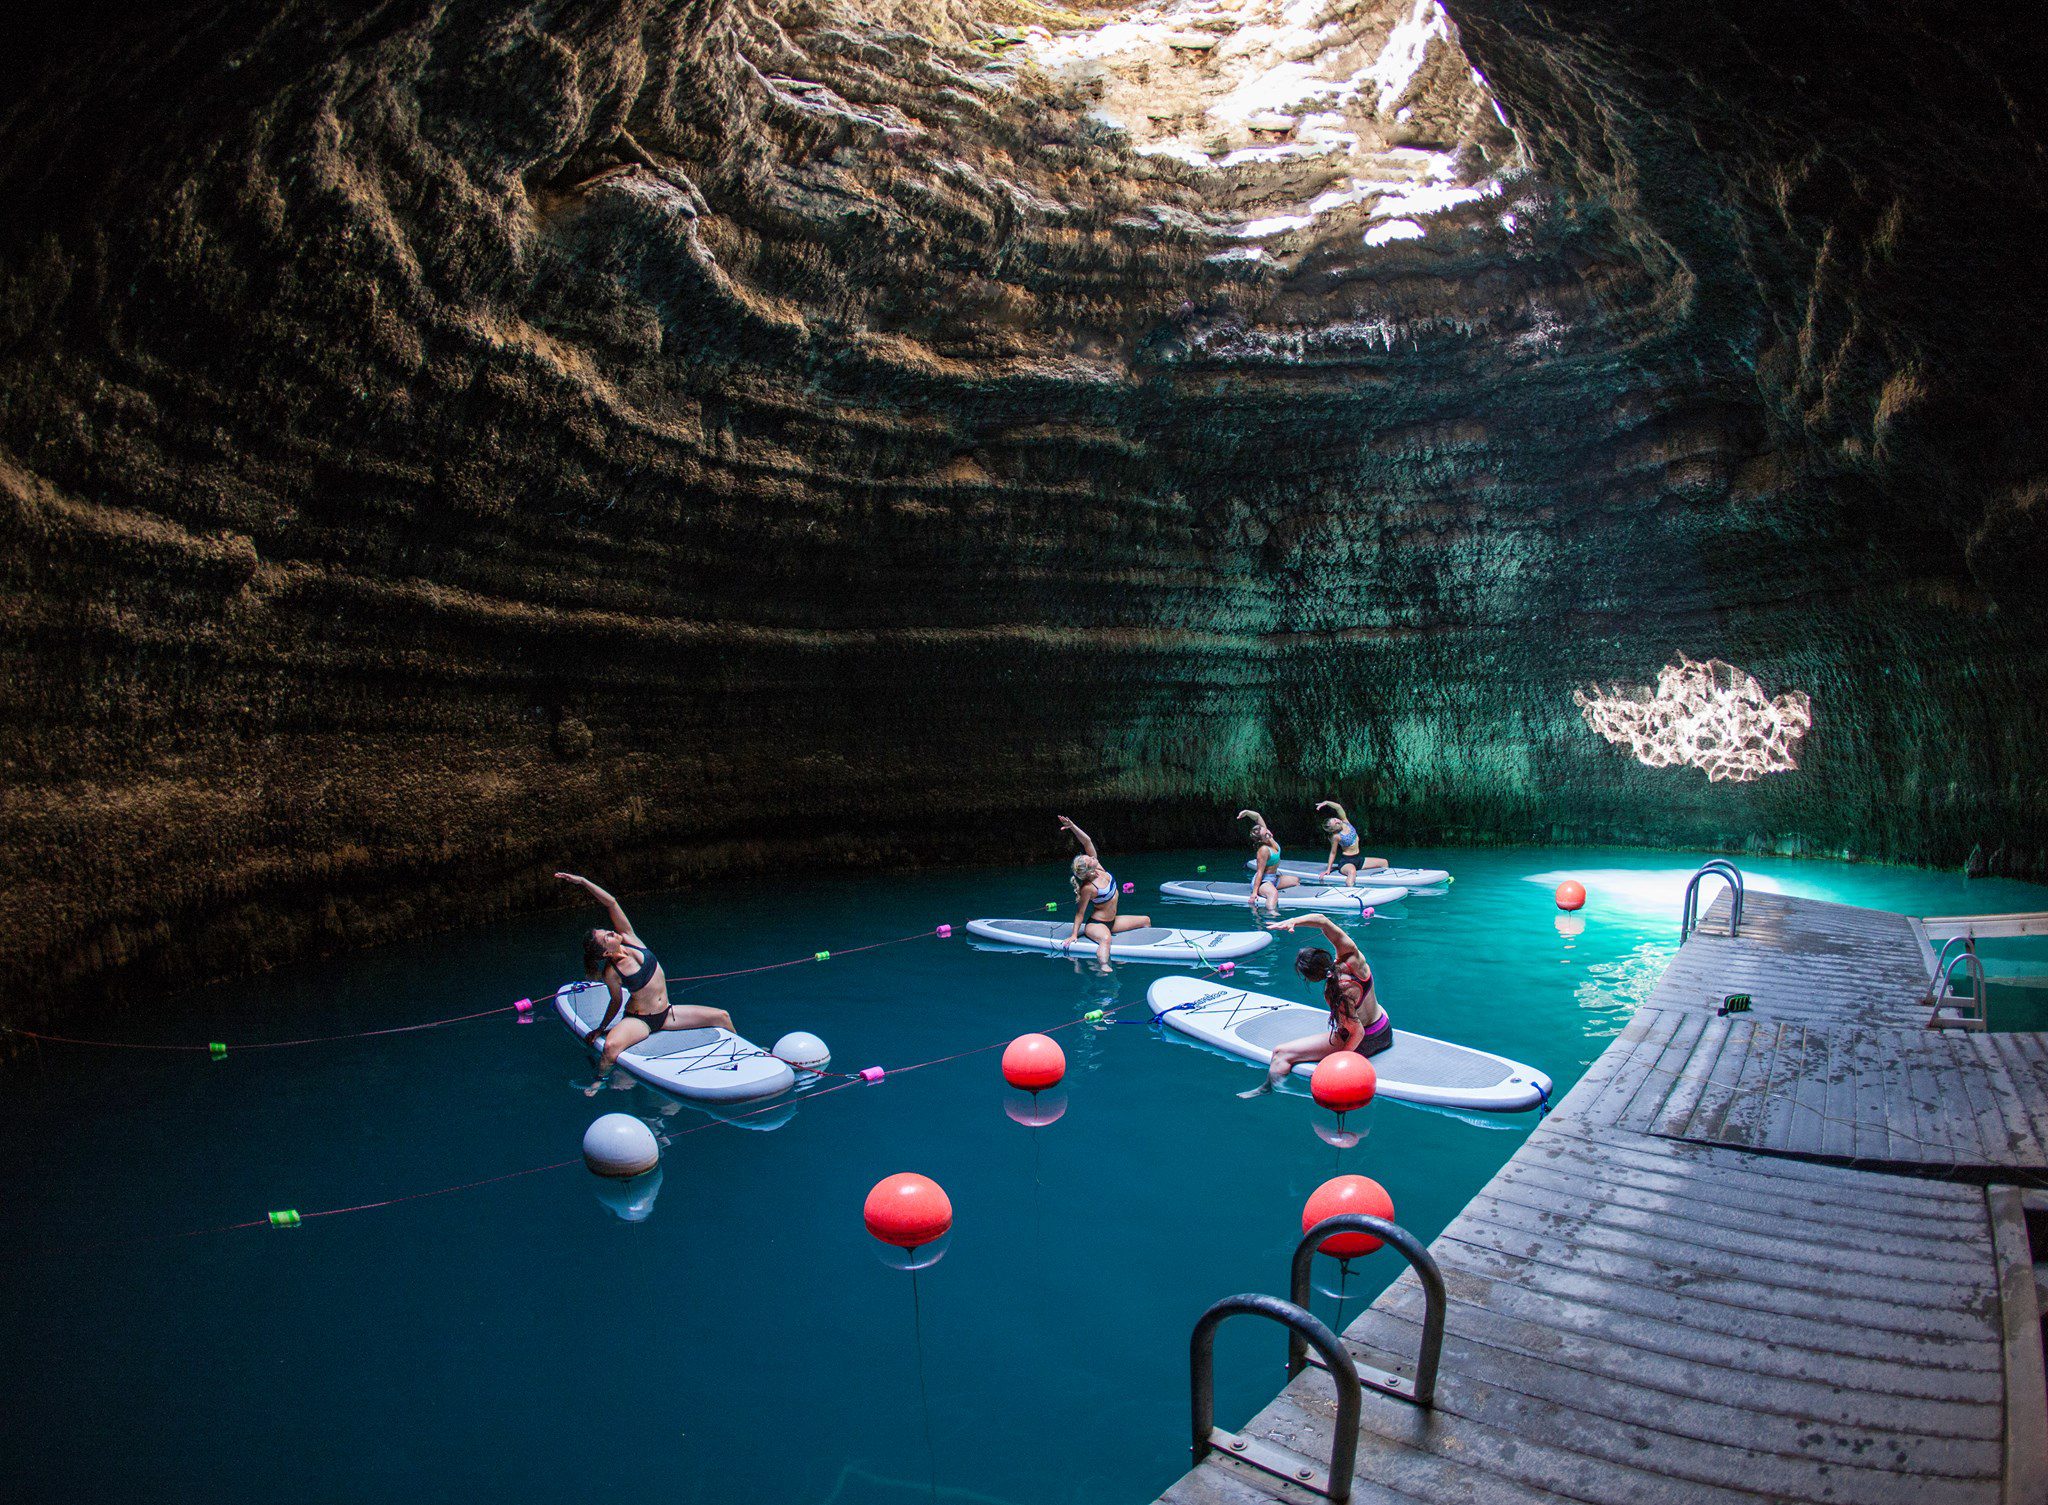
<point>1357,1022</point>
<point>633,975</point>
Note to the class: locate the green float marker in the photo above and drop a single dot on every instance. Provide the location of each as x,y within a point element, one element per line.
<point>1093,1016</point>
<point>288,1218</point>
<point>1201,867</point>
<point>1051,907</point>
<point>824,956</point>
<point>217,1050</point>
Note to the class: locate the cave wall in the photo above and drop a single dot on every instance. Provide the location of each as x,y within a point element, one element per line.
<point>447,441</point>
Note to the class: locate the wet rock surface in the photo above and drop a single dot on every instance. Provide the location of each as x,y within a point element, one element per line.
<point>440,443</point>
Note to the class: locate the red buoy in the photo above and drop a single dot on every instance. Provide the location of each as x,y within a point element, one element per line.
<point>908,1210</point>
<point>1347,1194</point>
<point>1343,1081</point>
<point>1034,1062</point>
<point>1571,894</point>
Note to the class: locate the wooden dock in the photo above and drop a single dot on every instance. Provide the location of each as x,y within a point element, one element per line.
<point>1776,1255</point>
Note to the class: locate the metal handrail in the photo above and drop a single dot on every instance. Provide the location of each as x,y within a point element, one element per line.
<point>1727,872</point>
<point>1943,994</point>
<point>1335,1485</point>
<point>1422,1390</point>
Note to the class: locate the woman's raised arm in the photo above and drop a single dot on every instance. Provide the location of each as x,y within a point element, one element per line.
<point>1081,836</point>
<point>611,906</point>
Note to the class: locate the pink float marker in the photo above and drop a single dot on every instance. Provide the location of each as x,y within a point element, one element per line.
<point>945,932</point>
<point>1130,888</point>
<point>872,1074</point>
<point>1226,969</point>
<point>523,1008</point>
<point>1368,911</point>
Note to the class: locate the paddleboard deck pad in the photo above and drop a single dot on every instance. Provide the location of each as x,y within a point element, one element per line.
<point>1151,944</point>
<point>1415,1068</point>
<point>1301,896</point>
<point>708,1065</point>
<point>1403,877</point>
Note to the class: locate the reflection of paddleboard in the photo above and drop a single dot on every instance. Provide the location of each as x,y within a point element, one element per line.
<point>1415,1068</point>
<point>710,1065</point>
<point>1405,877</point>
<point>1301,896</point>
<point>1151,944</point>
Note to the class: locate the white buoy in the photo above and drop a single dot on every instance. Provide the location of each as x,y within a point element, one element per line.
<point>618,1144</point>
<point>803,1050</point>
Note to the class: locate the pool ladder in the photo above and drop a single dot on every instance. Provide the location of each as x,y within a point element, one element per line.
<point>1948,1009</point>
<point>1306,1332</point>
<point>1728,873</point>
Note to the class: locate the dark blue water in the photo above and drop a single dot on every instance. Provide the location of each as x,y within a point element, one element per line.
<point>744,1342</point>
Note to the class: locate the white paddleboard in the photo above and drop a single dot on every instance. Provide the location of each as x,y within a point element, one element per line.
<point>1151,944</point>
<point>710,1065</point>
<point>1301,896</point>
<point>1415,1068</point>
<point>1404,877</point>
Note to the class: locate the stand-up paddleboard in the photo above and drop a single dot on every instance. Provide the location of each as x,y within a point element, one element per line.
<point>1151,944</point>
<point>1301,896</point>
<point>1404,877</point>
<point>710,1065</point>
<point>1415,1068</point>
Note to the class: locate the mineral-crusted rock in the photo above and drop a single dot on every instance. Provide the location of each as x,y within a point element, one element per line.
<point>442,443</point>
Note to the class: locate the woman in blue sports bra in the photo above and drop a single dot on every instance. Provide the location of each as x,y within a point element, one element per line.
<point>1344,856</point>
<point>637,984</point>
<point>1095,896</point>
<point>1267,879</point>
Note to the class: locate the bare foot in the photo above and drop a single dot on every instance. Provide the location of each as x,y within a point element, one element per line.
<point>1259,1091</point>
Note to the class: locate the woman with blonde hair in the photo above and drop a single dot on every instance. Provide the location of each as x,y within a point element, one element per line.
<point>1267,879</point>
<point>1344,855</point>
<point>1095,895</point>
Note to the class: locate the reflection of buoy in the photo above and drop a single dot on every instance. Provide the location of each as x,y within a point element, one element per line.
<point>1571,925</point>
<point>803,1050</point>
<point>1035,1111</point>
<point>1571,894</point>
<point>1347,1194</point>
<point>630,1199</point>
<point>1034,1063</point>
<point>618,1144</point>
<point>1343,1081</point>
<point>1337,1137</point>
<point>907,1210</point>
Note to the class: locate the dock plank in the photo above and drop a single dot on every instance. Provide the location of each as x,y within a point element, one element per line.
<point>1702,1280</point>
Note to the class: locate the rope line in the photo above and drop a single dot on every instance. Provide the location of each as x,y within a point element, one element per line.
<point>214,1048</point>
<point>721,1121</point>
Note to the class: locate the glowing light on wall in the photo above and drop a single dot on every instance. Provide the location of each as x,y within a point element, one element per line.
<point>1711,716</point>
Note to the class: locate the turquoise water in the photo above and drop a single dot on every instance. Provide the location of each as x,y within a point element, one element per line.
<point>744,1341</point>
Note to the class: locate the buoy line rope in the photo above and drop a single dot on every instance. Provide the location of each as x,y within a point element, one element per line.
<point>852,1079</point>
<point>220,1048</point>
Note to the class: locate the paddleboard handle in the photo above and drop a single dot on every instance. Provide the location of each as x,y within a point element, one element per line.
<point>944,932</point>
<point>872,1074</point>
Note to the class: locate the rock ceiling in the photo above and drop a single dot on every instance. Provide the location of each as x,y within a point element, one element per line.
<point>439,442</point>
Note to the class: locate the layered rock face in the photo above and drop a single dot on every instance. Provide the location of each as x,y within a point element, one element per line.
<point>451,441</point>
